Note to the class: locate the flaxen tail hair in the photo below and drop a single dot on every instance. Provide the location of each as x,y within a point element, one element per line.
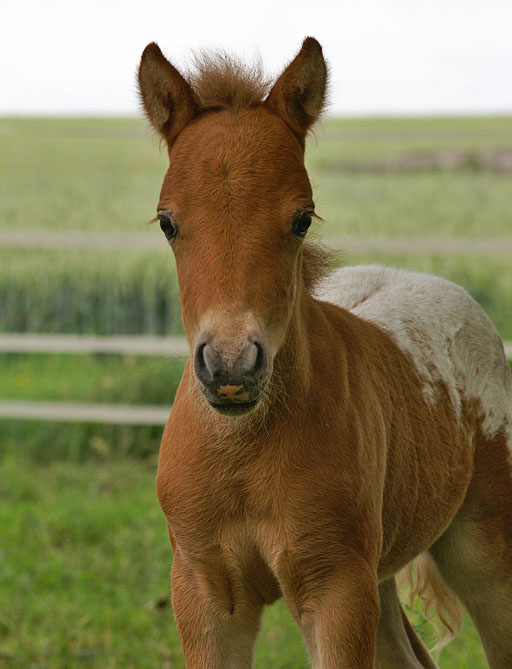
<point>427,593</point>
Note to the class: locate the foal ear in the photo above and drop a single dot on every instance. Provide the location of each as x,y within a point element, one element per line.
<point>167,97</point>
<point>298,96</point>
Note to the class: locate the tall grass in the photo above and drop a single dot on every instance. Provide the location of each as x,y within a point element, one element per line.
<point>109,292</point>
<point>107,378</point>
<point>106,292</point>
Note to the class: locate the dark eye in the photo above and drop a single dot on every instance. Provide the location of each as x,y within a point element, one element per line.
<point>301,224</point>
<point>169,227</point>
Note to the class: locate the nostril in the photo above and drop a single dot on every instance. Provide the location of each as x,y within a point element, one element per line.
<point>252,359</point>
<point>260,357</point>
<point>212,360</point>
<point>200,364</point>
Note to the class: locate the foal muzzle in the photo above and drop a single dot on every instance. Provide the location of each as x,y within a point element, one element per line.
<point>231,377</point>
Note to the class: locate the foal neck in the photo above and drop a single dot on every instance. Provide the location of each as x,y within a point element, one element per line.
<point>311,361</point>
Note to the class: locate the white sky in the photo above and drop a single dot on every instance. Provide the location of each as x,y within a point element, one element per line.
<point>387,56</point>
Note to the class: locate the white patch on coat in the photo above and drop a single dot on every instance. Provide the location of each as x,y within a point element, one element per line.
<point>445,332</point>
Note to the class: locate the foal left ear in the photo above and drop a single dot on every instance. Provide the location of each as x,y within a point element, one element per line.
<point>298,96</point>
<point>167,97</point>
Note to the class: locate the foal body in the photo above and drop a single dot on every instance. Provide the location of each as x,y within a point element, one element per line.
<point>323,434</point>
<point>330,497</point>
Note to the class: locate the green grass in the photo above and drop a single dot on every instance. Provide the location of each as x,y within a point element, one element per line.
<point>69,174</point>
<point>86,378</point>
<point>46,442</point>
<point>90,378</point>
<point>430,204</point>
<point>85,562</point>
<point>89,292</point>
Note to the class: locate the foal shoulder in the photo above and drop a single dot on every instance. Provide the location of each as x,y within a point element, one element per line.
<point>442,330</point>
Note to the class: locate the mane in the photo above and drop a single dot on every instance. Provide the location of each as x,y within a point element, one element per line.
<point>223,81</point>
<point>317,262</point>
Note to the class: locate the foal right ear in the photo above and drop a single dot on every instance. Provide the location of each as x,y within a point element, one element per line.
<point>167,97</point>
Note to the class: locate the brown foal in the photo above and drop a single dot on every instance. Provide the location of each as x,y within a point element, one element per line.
<point>327,430</point>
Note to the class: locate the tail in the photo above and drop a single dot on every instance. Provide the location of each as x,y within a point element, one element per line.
<point>421,579</point>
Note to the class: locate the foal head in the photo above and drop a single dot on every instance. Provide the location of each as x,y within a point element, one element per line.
<point>235,205</point>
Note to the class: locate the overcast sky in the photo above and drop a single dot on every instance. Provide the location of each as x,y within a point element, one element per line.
<point>387,56</point>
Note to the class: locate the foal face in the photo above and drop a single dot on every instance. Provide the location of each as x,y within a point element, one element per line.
<point>235,204</point>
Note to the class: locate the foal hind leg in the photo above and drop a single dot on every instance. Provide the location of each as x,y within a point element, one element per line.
<point>474,555</point>
<point>397,642</point>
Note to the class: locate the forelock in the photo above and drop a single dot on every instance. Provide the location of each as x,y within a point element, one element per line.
<point>223,81</point>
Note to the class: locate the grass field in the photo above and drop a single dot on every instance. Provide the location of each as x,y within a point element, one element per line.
<point>105,175</point>
<point>84,555</point>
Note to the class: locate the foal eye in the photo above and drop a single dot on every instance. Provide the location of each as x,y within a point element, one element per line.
<point>167,224</point>
<point>301,224</point>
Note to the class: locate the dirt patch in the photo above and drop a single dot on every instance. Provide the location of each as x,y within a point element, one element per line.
<point>485,160</point>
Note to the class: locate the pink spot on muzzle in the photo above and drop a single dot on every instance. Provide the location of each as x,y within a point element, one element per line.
<point>235,393</point>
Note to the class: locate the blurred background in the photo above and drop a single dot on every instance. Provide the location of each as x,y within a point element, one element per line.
<point>411,167</point>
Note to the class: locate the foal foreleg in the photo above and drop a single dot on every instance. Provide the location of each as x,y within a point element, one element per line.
<point>338,617</point>
<point>216,631</point>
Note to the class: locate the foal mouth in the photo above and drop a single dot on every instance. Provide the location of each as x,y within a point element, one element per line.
<point>234,398</point>
<point>234,408</point>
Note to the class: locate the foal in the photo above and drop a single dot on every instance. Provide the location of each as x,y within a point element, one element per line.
<point>325,431</point>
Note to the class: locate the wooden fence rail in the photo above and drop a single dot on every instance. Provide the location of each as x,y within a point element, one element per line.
<point>85,412</point>
<point>27,342</point>
<point>21,342</point>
